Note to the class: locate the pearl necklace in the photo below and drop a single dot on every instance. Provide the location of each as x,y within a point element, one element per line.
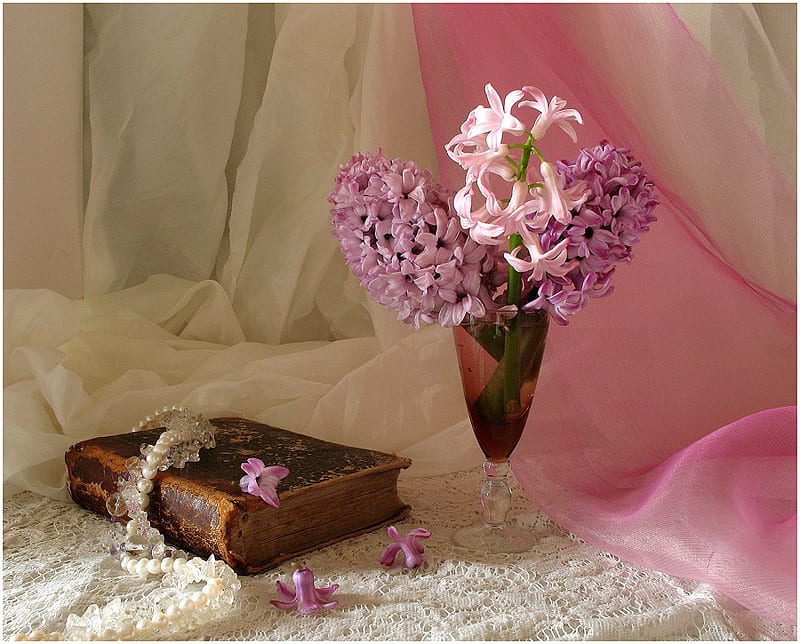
<point>141,549</point>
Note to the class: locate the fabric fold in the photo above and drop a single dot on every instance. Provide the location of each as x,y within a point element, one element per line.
<point>701,329</point>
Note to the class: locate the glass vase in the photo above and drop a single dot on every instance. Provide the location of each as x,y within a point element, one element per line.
<point>499,357</point>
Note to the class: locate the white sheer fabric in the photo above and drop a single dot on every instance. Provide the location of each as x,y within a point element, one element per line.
<point>186,103</point>
<point>211,275</point>
<point>756,46</point>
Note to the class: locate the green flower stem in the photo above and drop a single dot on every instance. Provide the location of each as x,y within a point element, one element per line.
<point>511,359</point>
<point>514,278</point>
<point>501,397</point>
<point>525,158</point>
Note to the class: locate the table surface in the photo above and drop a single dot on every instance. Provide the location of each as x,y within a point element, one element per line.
<point>563,588</point>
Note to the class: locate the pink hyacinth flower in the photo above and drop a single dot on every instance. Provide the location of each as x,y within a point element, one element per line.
<point>260,480</point>
<point>477,158</point>
<point>480,223</point>
<point>496,119</point>
<point>551,113</point>
<point>411,548</point>
<point>553,262</point>
<point>305,597</point>
<point>558,200</point>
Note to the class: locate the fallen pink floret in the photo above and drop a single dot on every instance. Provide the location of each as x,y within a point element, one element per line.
<point>305,597</point>
<point>411,548</point>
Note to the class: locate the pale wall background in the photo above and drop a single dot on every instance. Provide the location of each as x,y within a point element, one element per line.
<point>42,146</point>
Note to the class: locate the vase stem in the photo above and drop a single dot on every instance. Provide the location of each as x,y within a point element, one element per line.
<point>495,495</point>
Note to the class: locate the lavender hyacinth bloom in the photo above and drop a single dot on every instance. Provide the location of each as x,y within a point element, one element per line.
<point>396,229</point>
<point>409,545</point>
<point>602,230</point>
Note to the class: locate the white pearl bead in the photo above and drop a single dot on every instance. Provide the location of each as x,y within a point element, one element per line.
<point>19,637</point>
<point>141,567</point>
<point>154,459</point>
<point>213,588</point>
<point>186,605</point>
<point>199,598</point>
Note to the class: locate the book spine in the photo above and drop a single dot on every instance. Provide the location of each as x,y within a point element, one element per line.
<point>186,519</point>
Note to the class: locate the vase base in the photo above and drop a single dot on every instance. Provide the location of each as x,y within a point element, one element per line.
<point>492,539</point>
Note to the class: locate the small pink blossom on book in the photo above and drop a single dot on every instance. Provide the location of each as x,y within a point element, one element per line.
<point>305,597</point>
<point>260,480</point>
<point>412,549</point>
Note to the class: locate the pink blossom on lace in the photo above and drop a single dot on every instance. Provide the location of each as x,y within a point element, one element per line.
<point>260,480</point>
<point>409,545</point>
<point>305,597</point>
<point>551,113</point>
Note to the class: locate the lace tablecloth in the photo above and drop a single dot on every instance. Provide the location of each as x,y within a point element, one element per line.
<point>561,589</point>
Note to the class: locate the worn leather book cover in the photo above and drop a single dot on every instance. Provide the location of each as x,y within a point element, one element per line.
<point>332,492</point>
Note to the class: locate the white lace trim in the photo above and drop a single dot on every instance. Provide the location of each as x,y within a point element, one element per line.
<point>561,589</point>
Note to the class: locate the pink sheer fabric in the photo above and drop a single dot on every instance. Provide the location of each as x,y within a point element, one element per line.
<point>634,442</point>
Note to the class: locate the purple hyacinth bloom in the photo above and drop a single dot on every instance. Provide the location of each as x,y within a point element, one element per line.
<point>400,237</point>
<point>410,547</point>
<point>305,597</point>
<point>601,232</point>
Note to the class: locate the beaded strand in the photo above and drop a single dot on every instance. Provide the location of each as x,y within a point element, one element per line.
<point>140,547</point>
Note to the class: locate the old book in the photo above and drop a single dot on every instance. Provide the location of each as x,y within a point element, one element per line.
<point>331,493</point>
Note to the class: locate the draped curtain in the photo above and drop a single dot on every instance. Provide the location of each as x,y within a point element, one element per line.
<point>213,133</point>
